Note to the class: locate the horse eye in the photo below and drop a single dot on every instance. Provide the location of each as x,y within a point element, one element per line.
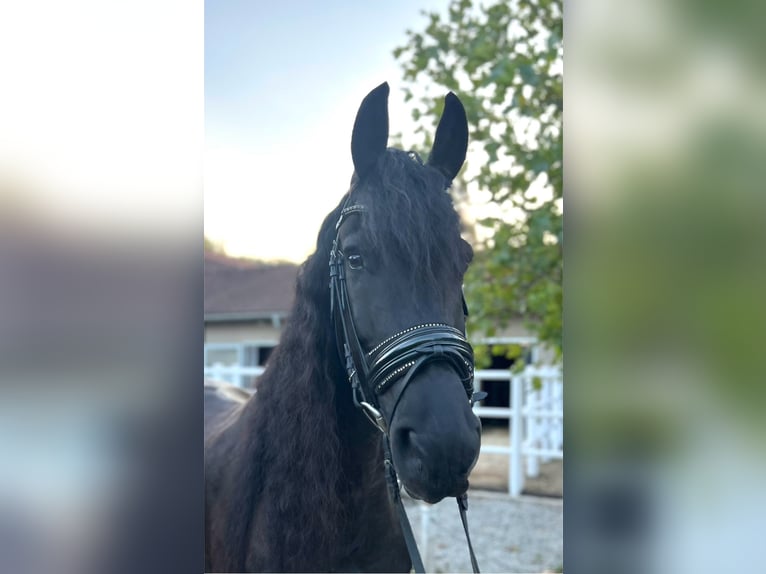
<point>355,261</point>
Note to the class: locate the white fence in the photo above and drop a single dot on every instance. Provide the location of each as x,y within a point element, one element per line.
<point>535,415</point>
<point>236,374</point>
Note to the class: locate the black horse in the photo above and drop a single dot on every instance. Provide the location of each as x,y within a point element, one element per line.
<point>295,477</point>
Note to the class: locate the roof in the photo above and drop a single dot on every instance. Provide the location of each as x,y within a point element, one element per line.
<point>240,289</point>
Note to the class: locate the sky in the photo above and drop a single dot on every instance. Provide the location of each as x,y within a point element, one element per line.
<point>283,82</point>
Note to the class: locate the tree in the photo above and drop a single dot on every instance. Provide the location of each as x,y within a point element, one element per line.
<point>504,60</point>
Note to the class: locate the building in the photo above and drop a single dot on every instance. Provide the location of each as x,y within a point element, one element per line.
<point>246,303</point>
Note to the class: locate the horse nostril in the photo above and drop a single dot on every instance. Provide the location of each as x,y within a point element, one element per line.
<point>404,438</point>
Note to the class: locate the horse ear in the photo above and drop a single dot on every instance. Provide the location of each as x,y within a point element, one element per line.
<point>370,135</point>
<point>451,140</point>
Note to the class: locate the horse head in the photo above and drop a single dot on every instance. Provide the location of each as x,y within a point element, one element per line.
<point>397,267</point>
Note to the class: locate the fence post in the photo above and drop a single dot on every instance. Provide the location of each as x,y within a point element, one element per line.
<point>534,425</point>
<point>547,404</point>
<point>515,475</point>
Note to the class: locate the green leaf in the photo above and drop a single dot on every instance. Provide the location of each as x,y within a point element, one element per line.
<point>493,57</point>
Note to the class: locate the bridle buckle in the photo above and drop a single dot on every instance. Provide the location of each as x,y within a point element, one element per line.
<point>375,416</point>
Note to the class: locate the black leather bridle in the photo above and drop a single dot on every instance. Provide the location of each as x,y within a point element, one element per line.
<point>372,373</point>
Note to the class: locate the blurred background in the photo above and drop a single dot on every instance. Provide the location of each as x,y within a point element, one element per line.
<point>665,149</point>
<point>101,151</point>
<point>113,116</point>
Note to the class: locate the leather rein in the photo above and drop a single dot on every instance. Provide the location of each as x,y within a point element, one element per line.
<point>401,355</point>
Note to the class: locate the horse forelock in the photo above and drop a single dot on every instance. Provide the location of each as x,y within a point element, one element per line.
<point>411,222</point>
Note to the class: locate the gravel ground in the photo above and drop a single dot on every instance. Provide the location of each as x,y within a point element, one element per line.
<point>509,535</point>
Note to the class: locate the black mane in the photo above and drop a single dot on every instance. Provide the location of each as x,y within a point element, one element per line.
<point>413,220</point>
<point>295,431</point>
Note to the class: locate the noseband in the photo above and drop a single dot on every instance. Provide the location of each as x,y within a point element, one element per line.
<point>399,356</point>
